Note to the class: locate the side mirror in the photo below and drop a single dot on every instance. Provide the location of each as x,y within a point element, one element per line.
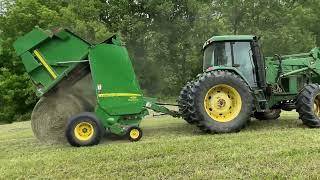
<point>278,57</point>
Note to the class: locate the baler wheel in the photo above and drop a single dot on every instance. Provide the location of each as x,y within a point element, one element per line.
<point>84,130</point>
<point>221,101</point>
<point>308,105</point>
<point>269,115</point>
<point>134,133</point>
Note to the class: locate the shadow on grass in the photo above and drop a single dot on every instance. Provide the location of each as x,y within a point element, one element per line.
<point>158,128</point>
<point>288,120</point>
<point>170,127</point>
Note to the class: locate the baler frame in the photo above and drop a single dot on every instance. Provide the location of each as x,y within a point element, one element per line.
<point>53,67</point>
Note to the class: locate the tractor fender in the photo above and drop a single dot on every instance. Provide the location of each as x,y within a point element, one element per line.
<point>231,69</point>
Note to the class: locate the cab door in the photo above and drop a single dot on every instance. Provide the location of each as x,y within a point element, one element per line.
<point>242,59</point>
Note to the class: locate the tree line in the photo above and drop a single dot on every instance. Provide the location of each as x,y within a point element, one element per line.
<point>164,37</point>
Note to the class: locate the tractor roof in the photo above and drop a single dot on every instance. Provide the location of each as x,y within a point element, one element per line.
<point>229,38</point>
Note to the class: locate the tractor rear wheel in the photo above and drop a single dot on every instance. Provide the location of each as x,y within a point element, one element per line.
<point>268,115</point>
<point>183,103</point>
<point>221,101</point>
<point>308,105</point>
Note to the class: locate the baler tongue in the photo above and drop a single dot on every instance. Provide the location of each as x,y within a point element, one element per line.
<point>57,65</point>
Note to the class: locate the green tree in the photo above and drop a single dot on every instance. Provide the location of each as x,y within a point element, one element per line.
<point>164,38</point>
<point>17,96</point>
<point>277,22</point>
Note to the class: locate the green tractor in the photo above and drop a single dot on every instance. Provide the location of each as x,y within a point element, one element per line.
<point>238,83</point>
<point>87,89</point>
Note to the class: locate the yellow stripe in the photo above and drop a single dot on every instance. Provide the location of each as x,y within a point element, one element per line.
<point>119,95</point>
<point>44,63</point>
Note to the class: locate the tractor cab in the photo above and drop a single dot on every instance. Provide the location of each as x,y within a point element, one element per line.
<point>239,53</point>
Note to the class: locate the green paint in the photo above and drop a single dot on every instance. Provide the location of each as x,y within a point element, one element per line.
<point>293,84</point>
<point>29,62</point>
<point>228,38</point>
<point>30,40</point>
<point>294,72</point>
<point>120,102</point>
<point>290,72</point>
<point>112,71</point>
<point>63,46</point>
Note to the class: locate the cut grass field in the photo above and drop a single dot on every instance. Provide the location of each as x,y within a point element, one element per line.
<point>171,149</point>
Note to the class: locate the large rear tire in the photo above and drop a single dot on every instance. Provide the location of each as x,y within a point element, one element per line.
<point>221,101</point>
<point>183,103</point>
<point>308,105</point>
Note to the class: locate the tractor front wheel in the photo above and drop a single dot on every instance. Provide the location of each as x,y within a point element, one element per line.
<point>308,105</point>
<point>84,130</point>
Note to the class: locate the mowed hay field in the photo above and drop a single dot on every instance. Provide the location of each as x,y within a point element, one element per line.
<point>170,149</point>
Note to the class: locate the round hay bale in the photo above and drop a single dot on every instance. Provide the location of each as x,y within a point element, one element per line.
<point>52,112</point>
<point>84,89</point>
<point>50,115</point>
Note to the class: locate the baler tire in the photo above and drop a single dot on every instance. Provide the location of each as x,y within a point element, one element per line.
<point>183,100</point>
<point>269,115</point>
<point>94,130</point>
<point>134,134</point>
<point>200,91</point>
<point>308,102</point>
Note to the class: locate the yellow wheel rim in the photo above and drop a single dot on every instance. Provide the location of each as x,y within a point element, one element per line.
<point>316,105</point>
<point>134,133</point>
<point>83,131</point>
<point>222,103</point>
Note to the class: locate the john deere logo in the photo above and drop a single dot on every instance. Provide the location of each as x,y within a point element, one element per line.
<point>133,98</point>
